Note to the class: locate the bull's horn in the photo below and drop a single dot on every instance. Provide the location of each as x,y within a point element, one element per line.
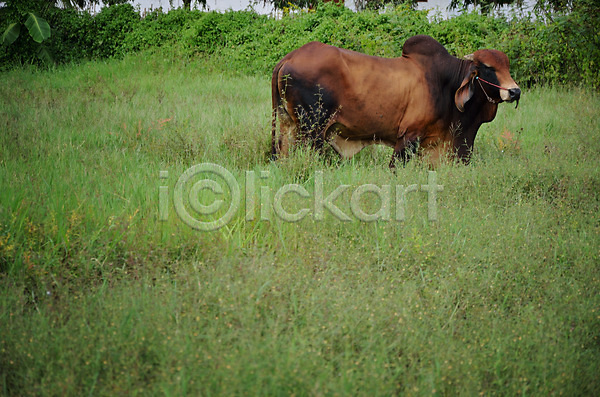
<point>468,57</point>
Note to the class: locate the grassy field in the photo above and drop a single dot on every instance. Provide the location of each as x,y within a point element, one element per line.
<point>102,294</point>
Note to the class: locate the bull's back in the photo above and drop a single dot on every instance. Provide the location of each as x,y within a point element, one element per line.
<point>345,71</point>
<point>370,96</point>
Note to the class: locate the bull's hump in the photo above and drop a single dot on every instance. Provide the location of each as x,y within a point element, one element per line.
<point>423,45</point>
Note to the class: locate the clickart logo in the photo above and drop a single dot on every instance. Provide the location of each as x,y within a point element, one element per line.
<point>207,197</point>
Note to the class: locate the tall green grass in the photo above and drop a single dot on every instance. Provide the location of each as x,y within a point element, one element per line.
<point>99,296</point>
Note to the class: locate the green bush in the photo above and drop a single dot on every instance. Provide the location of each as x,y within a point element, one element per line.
<point>563,51</point>
<point>469,32</point>
<point>256,45</point>
<point>159,28</point>
<point>73,36</point>
<point>112,25</point>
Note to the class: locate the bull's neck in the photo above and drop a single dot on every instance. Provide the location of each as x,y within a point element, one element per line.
<point>460,70</point>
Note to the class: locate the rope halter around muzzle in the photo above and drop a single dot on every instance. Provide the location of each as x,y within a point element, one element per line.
<point>479,80</point>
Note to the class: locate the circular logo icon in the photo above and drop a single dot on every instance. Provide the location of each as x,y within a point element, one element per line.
<point>196,189</point>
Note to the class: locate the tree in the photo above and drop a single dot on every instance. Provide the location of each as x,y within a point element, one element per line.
<point>19,15</point>
<point>378,4</point>
<point>486,5</point>
<point>545,6</point>
<point>16,16</point>
<point>187,4</point>
<point>38,28</point>
<point>281,4</point>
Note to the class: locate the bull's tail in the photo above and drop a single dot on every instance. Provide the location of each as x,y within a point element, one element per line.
<point>276,102</point>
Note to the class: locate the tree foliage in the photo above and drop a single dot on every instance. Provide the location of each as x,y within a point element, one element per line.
<point>486,6</point>
<point>360,5</point>
<point>281,4</point>
<point>37,27</point>
<point>187,4</point>
<point>542,6</point>
<point>39,30</point>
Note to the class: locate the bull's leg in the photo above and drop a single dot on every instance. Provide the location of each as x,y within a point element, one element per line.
<point>399,152</point>
<point>436,151</point>
<point>288,132</point>
<point>464,150</point>
<point>403,150</point>
<point>325,133</point>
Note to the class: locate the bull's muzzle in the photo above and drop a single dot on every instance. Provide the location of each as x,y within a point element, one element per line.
<point>514,94</point>
<point>511,95</point>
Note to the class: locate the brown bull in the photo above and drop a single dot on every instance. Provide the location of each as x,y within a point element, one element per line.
<point>425,98</point>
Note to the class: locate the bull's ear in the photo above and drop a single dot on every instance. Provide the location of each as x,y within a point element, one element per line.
<point>469,57</point>
<point>465,91</point>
